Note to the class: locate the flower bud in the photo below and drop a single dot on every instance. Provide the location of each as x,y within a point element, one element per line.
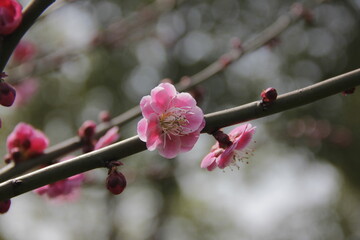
<point>268,95</point>
<point>10,16</point>
<point>115,182</point>
<point>87,129</point>
<point>7,94</point>
<point>4,206</point>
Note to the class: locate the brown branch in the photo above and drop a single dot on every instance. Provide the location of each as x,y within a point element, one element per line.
<point>280,25</point>
<point>130,146</point>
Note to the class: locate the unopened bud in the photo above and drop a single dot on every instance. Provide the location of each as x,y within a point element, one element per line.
<point>87,130</point>
<point>115,182</point>
<point>5,206</point>
<point>7,94</point>
<point>268,95</point>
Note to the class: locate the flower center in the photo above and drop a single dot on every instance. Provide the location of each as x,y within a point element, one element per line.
<point>173,121</point>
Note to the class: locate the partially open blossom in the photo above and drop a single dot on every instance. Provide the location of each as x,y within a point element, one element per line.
<point>25,142</point>
<point>115,182</point>
<point>24,51</point>
<point>172,122</point>
<point>10,16</point>
<point>7,94</point>
<point>238,151</point>
<point>5,206</point>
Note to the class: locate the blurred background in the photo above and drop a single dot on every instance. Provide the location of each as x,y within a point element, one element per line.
<point>303,181</point>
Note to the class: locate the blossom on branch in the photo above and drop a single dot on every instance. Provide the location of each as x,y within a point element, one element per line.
<point>237,151</point>
<point>64,190</point>
<point>171,121</point>
<point>10,16</point>
<point>25,142</point>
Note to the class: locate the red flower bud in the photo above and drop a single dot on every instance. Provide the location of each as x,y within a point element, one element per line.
<point>4,206</point>
<point>87,130</point>
<point>7,94</point>
<point>268,95</point>
<point>104,116</point>
<point>10,16</point>
<point>115,182</point>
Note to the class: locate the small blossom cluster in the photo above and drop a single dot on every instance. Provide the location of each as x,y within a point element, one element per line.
<point>171,121</point>
<point>25,142</point>
<point>224,154</point>
<point>69,189</point>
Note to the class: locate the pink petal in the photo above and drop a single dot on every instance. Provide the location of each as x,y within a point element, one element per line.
<point>142,129</point>
<point>170,148</point>
<point>145,105</point>
<point>188,141</point>
<point>153,133</point>
<point>184,100</point>
<point>196,119</point>
<point>208,160</point>
<point>161,98</point>
<point>226,157</point>
<point>110,137</point>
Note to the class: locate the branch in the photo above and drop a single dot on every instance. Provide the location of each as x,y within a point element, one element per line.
<point>130,146</point>
<point>30,14</point>
<point>63,148</point>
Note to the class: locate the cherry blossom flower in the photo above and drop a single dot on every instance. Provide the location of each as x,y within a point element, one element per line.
<point>25,142</point>
<point>237,151</point>
<point>172,122</point>
<point>10,16</point>
<point>64,190</point>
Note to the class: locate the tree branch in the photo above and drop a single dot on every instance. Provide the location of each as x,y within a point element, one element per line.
<point>63,148</point>
<point>130,146</point>
<point>30,14</point>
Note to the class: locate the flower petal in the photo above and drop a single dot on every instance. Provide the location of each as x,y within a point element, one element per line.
<point>145,105</point>
<point>170,148</point>
<point>160,98</point>
<point>142,128</point>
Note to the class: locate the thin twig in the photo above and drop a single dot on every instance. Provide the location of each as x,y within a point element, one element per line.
<point>63,148</point>
<point>30,14</point>
<point>130,146</point>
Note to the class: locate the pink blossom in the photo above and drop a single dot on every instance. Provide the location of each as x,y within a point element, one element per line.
<point>221,158</point>
<point>64,190</point>
<point>172,122</point>
<point>26,90</point>
<point>110,137</point>
<point>25,142</point>
<point>10,16</point>
<point>24,51</point>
